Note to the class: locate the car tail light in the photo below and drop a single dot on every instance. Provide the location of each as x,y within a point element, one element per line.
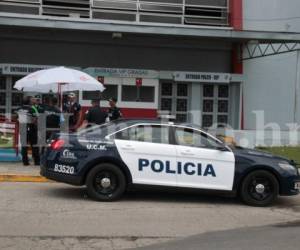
<point>57,144</point>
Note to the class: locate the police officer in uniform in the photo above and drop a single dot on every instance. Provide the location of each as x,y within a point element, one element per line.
<point>53,116</point>
<point>33,130</point>
<point>24,118</point>
<point>94,115</point>
<point>28,115</point>
<point>114,112</point>
<point>73,108</point>
<point>39,104</point>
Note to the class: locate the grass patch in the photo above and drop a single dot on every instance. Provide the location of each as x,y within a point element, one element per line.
<point>292,153</point>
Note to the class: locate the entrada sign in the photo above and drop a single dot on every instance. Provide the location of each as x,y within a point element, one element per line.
<point>202,77</point>
<point>25,69</point>
<point>21,69</point>
<point>130,73</point>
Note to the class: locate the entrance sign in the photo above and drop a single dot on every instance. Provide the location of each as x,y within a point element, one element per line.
<point>24,69</point>
<point>202,77</point>
<point>21,69</point>
<point>129,73</point>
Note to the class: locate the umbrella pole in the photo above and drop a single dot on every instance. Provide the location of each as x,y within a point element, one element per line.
<point>60,97</point>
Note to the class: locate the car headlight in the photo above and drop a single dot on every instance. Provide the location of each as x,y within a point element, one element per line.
<point>288,167</point>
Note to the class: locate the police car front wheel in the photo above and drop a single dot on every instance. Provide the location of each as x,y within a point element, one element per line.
<point>259,188</point>
<point>105,182</point>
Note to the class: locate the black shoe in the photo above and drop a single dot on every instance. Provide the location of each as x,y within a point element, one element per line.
<point>26,164</point>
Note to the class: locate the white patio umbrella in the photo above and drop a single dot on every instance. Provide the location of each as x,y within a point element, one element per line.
<point>58,80</point>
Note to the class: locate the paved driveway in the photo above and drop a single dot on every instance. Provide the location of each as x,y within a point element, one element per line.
<point>59,216</point>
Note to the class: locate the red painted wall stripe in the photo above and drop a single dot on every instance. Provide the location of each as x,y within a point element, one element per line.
<point>236,14</point>
<point>138,113</point>
<point>237,63</point>
<point>132,112</point>
<point>236,22</point>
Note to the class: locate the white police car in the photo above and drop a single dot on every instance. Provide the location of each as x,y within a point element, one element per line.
<point>111,157</point>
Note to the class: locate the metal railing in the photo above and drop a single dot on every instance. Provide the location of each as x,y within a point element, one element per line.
<point>180,12</point>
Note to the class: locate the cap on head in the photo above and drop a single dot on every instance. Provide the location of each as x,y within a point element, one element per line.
<point>112,99</point>
<point>71,95</point>
<point>38,97</point>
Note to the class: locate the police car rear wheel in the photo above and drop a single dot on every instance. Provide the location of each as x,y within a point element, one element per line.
<point>259,188</point>
<point>106,182</point>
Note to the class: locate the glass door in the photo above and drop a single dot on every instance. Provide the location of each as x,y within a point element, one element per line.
<point>174,98</point>
<point>215,109</point>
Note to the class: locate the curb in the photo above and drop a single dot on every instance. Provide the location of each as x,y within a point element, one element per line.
<point>23,178</point>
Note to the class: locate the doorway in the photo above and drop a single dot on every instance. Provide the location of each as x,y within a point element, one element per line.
<point>174,98</point>
<point>215,105</point>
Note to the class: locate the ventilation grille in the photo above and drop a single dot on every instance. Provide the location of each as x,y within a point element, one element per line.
<point>67,8</point>
<point>180,12</point>
<point>184,12</point>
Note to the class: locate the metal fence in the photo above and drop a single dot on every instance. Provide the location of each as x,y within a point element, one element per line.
<point>176,12</point>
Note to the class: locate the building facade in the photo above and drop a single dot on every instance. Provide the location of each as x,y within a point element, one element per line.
<point>180,57</point>
<point>277,77</point>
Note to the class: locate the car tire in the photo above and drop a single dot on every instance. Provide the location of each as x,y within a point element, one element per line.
<point>105,182</point>
<point>259,188</point>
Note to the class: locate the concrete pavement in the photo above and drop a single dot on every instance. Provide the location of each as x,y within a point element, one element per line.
<point>273,237</point>
<point>59,216</point>
<point>16,172</point>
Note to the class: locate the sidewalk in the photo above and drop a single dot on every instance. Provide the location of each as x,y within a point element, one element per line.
<point>16,172</point>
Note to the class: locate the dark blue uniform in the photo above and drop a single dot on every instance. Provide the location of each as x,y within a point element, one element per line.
<point>95,116</point>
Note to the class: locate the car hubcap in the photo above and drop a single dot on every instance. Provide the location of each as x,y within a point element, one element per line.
<point>105,182</point>
<point>260,188</point>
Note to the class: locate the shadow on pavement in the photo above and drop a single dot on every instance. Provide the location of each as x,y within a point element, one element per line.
<point>80,193</point>
<point>178,197</point>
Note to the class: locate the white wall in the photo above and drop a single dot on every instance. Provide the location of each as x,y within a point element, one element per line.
<point>271,15</point>
<point>269,86</point>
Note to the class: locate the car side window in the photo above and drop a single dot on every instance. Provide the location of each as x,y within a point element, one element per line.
<point>145,133</point>
<point>192,138</point>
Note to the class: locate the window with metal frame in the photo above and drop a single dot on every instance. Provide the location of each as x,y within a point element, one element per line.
<point>215,101</point>
<point>131,93</point>
<point>68,8</point>
<point>174,99</point>
<point>184,12</point>
<point>111,91</point>
<point>20,6</point>
<point>180,12</point>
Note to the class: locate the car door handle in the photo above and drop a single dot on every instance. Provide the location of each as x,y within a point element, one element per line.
<point>128,147</point>
<point>187,153</point>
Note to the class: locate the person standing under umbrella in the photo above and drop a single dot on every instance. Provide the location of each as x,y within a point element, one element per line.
<point>24,118</point>
<point>53,116</point>
<point>73,108</point>
<point>28,115</point>
<point>33,131</point>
